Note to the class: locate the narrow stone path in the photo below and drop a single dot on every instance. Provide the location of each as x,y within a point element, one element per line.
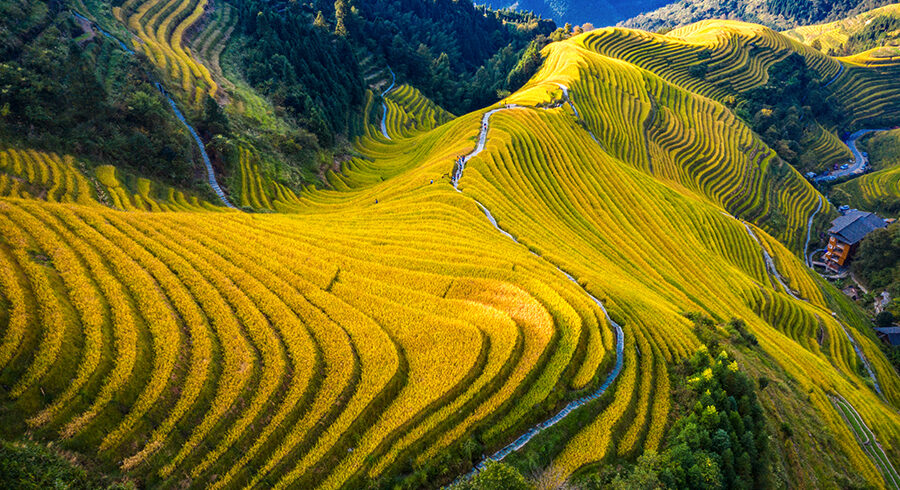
<point>867,440</point>
<point>479,147</point>
<point>384,105</point>
<point>770,262</point>
<point>522,440</point>
<point>210,173</point>
<point>836,75</point>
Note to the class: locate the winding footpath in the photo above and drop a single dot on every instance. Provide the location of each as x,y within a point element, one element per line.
<point>104,33</point>
<point>770,264</point>
<point>568,100</point>
<point>522,440</point>
<point>479,147</point>
<point>485,126</point>
<point>210,173</point>
<point>384,105</point>
<point>862,357</point>
<point>836,75</point>
<point>867,440</point>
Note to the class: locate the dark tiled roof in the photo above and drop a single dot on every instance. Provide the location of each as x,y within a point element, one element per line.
<point>893,334</point>
<point>853,226</point>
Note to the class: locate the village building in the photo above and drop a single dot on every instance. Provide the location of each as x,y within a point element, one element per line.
<point>845,235</point>
<point>890,335</point>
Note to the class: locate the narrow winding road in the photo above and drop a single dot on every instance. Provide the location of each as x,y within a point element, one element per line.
<point>457,172</point>
<point>479,147</point>
<point>522,440</point>
<point>574,404</point>
<point>210,173</point>
<point>104,33</point>
<point>384,105</point>
<point>860,161</point>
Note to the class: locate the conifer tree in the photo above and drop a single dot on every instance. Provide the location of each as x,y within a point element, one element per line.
<point>320,20</point>
<point>340,15</point>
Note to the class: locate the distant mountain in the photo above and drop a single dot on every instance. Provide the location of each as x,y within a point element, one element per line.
<point>777,14</point>
<point>658,14</point>
<point>598,12</point>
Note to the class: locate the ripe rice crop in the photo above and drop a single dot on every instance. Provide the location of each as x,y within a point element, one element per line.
<point>388,321</point>
<point>160,25</point>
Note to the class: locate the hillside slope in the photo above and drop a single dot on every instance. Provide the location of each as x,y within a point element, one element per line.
<point>847,35</point>
<point>777,14</point>
<point>426,309</point>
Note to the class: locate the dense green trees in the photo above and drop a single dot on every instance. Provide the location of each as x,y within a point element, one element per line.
<point>305,56</point>
<point>720,442</point>
<point>877,262</point>
<point>307,70</point>
<point>876,32</point>
<point>62,90</point>
<point>457,54</point>
<point>788,106</point>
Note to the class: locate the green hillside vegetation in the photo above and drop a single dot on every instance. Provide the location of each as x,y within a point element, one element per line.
<point>878,265</point>
<point>458,55</point>
<point>791,105</point>
<point>862,32</point>
<point>719,440</point>
<point>610,287</point>
<point>31,466</point>
<point>83,97</point>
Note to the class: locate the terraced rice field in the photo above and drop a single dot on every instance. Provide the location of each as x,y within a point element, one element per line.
<point>678,136</point>
<point>834,34</point>
<point>409,112</point>
<point>385,323</point>
<point>827,150</point>
<point>160,26</point>
<point>869,88</point>
<point>46,176</point>
<point>870,190</point>
<point>258,191</point>
<point>737,55</point>
<point>212,40</point>
<point>868,441</point>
